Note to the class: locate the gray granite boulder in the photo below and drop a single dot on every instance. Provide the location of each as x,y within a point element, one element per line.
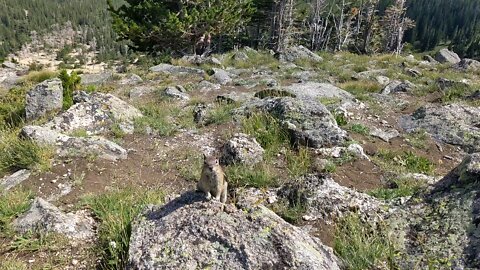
<point>242,149</point>
<point>307,120</point>
<point>295,53</point>
<point>454,124</point>
<point>45,97</point>
<point>447,56</point>
<point>191,233</point>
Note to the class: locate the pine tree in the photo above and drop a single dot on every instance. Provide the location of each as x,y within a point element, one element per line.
<point>178,25</point>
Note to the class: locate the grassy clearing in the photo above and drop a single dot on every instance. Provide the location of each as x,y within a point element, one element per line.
<point>191,167</point>
<point>255,60</point>
<point>298,162</point>
<point>115,211</point>
<point>20,153</point>
<point>362,246</point>
<point>403,162</point>
<point>358,88</point>
<point>12,204</point>
<point>259,176</point>
<point>400,187</point>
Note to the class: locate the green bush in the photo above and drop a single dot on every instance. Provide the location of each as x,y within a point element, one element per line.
<point>70,83</point>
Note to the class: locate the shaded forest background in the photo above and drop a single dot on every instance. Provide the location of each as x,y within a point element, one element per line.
<point>437,22</point>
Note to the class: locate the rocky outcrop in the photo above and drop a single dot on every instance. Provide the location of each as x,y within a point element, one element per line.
<point>67,146</point>
<point>447,56</point>
<point>328,201</point>
<point>242,149</point>
<point>234,97</point>
<point>45,97</point>
<point>445,83</point>
<point>11,181</point>
<point>468,65</point>
<point>454,124</point>
<point>201,60</point>
<point>191,233</point>
<point>315,90</point>
<point>200,113</point>
<point>440,227</point>
<point>96,78</point>
<point>43,217</point>
<point>95,114</point>
<point>307,120</point>
<point>293,54</point>
<point>176,70</point>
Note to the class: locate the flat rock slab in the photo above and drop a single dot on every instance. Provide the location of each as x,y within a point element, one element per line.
<point>68,146</point>
<point>176,70</point>
<point>319,90</point>
<point>11,181</point>
<point>192,233</point>
<point>454,124</point>
<point>96,78</point>
<point>44,217</point>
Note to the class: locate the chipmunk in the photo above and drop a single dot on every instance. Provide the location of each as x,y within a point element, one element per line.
<point>213,181</point>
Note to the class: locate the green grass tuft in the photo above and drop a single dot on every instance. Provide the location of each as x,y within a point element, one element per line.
<point>115,211</point>
<point>401,162</point>
<point>259,176</point>
<point>362,246</point>
<point>12,204</point>
<point>360,129</point>
<point>221,113</point>
<point>401,187</point>
<point>268,131</point>
<point>18,153</point>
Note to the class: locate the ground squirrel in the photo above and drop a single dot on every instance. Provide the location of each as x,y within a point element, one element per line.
<point>213,181</point>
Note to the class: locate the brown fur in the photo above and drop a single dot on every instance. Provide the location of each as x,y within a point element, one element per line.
<point>213,181</point>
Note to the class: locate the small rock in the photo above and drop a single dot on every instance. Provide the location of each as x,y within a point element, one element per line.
<point>292,54</point>
<point>383,80</point>
<point>200,113</point>
<point>176,92</point>
<point>384,135</point>
<point>398,86</point>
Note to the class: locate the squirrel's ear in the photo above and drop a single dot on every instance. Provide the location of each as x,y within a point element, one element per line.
<point>204,156</point>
